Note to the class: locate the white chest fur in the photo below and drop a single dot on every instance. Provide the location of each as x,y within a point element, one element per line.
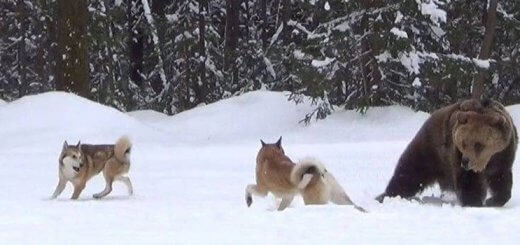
<point>68,167</point>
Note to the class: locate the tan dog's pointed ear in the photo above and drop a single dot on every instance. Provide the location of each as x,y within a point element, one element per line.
<point>263,143</point>
<point>279,142</point>
<point>65,145</point>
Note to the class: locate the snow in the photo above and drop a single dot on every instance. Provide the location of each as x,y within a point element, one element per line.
<point>2,102</point>
<point>298,54</point>
<point>384,57</point>
<point>431,8</point>
<point>190,170</point>
<point>484,64</point>
<point>399,16</point>
<point>326,6</point>
<point>172,18</point>
<point>310,35</point>
<point>269,67</point>
<point>481,63</point>
<point>411,61</point>
<point>343,27</point>
<point>399,33</point>
<point>322,63</point>
<point>148,115</point>
<point>117,3</point>
<point>416,82</point>
<point>276,34</point>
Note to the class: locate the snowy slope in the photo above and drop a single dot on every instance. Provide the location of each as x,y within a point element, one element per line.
<point>190,171</point>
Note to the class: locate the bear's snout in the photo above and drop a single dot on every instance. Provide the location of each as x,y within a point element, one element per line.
<point>464,163</point>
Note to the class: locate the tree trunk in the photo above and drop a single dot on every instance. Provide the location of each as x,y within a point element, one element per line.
<point>232,34</point>
<point>263,15</point>
<point>50,23</point>
<point>135,42</point>
<point>72,60</point>
<point>485,49</point>
<point>285,17</point>
<point>22,54</point>
<point>201,89</point>
<point>369,50</point>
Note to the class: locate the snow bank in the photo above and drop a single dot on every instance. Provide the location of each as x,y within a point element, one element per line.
<point>57,116</point>
<point>148,115</point>
<point>251,116</point>
<point>2,102</point>
<point>269,115</point>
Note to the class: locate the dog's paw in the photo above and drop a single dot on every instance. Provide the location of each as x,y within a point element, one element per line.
<point>97,196</point>
<point>249,201</point>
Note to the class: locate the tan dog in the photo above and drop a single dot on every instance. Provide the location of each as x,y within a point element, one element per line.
<point>276,173</point>
<point>81,162</point>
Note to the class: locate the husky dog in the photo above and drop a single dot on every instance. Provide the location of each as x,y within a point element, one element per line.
<point>276,173</point>
<point>81,162</point>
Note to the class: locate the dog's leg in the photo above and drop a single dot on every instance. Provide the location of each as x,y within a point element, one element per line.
<point>78,188</point>
<point>253,190</point>
<point>108,188</point>
<point>286,201</point>
<point>128,184</point>
<point>59,188</point>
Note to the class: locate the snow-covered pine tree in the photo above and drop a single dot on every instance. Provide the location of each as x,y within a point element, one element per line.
<point>25,48</point>
<point>108,57</point>
<point>196,58</point>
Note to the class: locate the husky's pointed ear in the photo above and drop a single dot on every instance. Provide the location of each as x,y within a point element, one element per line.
<point>263,143</point>
<point>79,144</point>
<point>65,145</point>
<point>279,142</point>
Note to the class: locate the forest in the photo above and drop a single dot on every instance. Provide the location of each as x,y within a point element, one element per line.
<point>173,55</point>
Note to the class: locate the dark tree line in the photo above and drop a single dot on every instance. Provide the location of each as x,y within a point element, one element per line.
<point>172,55</point>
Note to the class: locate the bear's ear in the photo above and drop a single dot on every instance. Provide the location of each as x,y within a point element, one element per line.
<point>263,143</point>
<point>499,121</point>
<point>462,118</point>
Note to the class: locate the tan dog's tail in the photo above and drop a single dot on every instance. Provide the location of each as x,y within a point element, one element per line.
<point>122,149</point>
<point>302,174</point>
<point>337,193</point>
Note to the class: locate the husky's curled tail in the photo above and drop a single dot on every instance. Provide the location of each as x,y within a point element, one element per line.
<point>122,149</point>
<point>319,185</point>
<point>302,174</point>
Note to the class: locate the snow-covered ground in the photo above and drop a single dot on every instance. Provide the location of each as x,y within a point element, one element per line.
<point>190,170</point>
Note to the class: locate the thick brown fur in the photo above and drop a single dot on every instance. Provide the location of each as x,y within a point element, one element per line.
<point>468,147</point>
<point>79,163</point>
<point>278,174</point>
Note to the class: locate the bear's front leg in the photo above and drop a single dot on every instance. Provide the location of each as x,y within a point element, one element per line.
<point>500,185</point>
<point>470,188</point>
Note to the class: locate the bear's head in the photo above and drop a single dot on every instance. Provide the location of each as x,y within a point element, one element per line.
<point>478,136</point>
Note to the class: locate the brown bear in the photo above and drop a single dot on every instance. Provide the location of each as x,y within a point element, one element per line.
<point>468,147</point>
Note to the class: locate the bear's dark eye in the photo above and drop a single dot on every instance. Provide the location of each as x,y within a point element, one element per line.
<point>479,147</point>
<point>464,145</point>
